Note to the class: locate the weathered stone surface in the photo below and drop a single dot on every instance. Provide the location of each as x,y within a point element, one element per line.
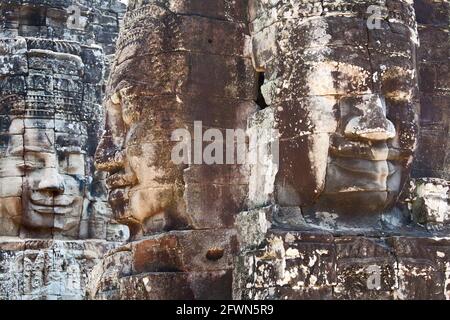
<point>47,269</point>
<point>336,126</point>
<point>335,111</point>
<point>13,57</point>
<point>428,201</point>
<point>173,265</point>
<point>214,285</point>
<point>328,220</point>
<point>53,67</point>
<point>53,56</point>
<point>193,67</point>
<point>311,265</point>
<point>433,151</point>
<point>53,19</point>
<point>229,10</point>
<point>344,99</point>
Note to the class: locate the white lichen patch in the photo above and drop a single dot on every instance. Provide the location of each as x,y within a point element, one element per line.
<point>292,253</point>
<point>147,285</point>
<point>312,280</point>
<point>289,238</point>
<point>327,219</point>
<point>447,281</point>
<point>312,261</point>
<point>433,197</point>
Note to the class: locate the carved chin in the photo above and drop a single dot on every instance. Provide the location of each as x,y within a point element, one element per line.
<point>35,219</point>
<point>348,175</point>
<point>361,185</point>
<point>355,203</point>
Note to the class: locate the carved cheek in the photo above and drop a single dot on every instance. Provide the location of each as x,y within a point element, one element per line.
<point>150,201</point>
<point>318,154</point>
<point>11,176</point>
<point>114,122</point>
<point>404,117</point>
<point>11,207</point>
<point>141,160</point>
<point>33,177</point>
<point>72,185</point>
<point>105,159</point>
<point>10,187</point>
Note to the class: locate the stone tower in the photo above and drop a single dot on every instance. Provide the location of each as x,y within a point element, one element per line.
<point>54,56</point>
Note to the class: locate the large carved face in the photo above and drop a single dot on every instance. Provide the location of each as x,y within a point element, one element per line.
<point>144,185</point>
<point>173,67</point>
<point>49,122</point>
<point>344,99</point>
<point>135,150</point>
<point>49,171</point>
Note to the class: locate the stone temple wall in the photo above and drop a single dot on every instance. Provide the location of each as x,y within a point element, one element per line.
<point>328,210</point>
<point>54,57</point>
<point>342,192</point>
<point>322,251</point>
<point>433,55</point>
<point>177,62</point>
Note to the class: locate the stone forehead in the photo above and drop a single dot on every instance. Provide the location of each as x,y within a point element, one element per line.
<point>47,141</point>
<point>309,8</point>
<point>48,107</point>
<point>52,3</point>
<point>264,13</point>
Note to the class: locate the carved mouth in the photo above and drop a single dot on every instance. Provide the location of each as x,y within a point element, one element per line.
<point>118,193</point>
<point>60,205</point>
<point>121,181</point>
<point>118,198</point>
<point>58,210</point>
<point>376,169</point>
<point>119,201</point>
<point>378,151</point>
<point>355,175</point>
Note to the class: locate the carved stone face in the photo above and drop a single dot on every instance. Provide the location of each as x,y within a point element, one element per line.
<point>135,150</point>
<point>52,183</point>
<point>344,99</point>
<point>172,68</point>
<point>49,118</point>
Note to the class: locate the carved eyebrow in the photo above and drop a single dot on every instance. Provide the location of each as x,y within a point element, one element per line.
<point>19,151</point>
<point>37,149</point>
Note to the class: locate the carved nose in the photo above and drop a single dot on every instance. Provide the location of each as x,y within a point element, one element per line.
<point>373,123</point>
<point>52,182</point>
<point>108,157</point>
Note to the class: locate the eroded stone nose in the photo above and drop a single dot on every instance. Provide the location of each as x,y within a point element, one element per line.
<point>52,181</point>
<point>373,123</point>
<point>108,157</point>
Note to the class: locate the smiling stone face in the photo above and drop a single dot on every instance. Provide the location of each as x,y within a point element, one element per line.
<point>175,64</point>
<point>344,99</point>
<point>49,116</point>
<point>53,182</point>
<point>146,188</point>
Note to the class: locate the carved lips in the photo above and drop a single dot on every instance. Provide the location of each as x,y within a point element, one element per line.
<point>59,205</point>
